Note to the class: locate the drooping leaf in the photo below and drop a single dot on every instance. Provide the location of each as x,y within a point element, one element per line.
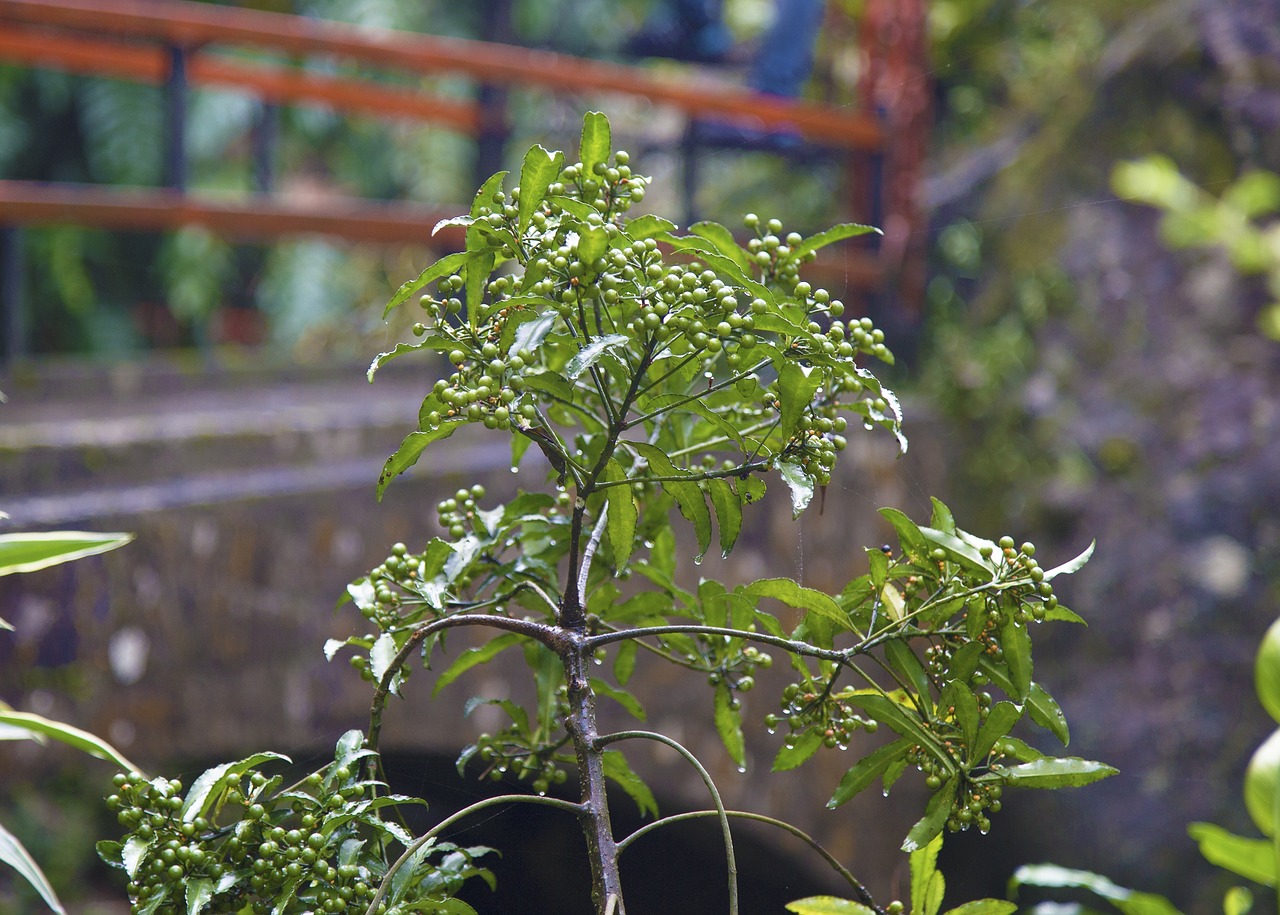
<point>800,484</point>
<point>1000,721</point>
<point>914,546</point>
<point>868,769</point>
<point>796,387</point>
<point>729,724</point>
<point>1054,877</point>
<point>902,659</point>
<point>828,905</point>
<point>799,751</point>
<point>935,816</point>
<point>1046,712</point>
<point>82,740</point>
<point>1015,640</point>
<point>624,665</point>
<point>1057,772</point>
<point>689,498</point>
<point>728,509</point>
<point>597,142</point>
<point>204,791</point>
<point>927,884</point>
<point>16,856</point>
<point>381,655</point>
<point>409,451</point>
<point>621,520</point>
<point>446,266</point>
<point>537,172</point>
<point>619,770</point>
<point>1253,859</point>
<point>620,696</point>
<point>30,552</point>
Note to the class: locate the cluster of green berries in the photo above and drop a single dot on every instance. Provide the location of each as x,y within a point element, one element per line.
<point>808,707</point>
<point>772,254</point>
<point>608,188</point>
<point>513,752</point>
<point>976,799</point>
<point>258,848</point>
<point>738,671</point>
<point>1035,595</point>
<point>458,514</point>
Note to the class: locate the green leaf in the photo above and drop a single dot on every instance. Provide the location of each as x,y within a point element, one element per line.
<point>484,196</point>
<point>590,354</point>
<point>1253,859</point>
<point>942,518</point>
<point>621,521</point>
<point>800,484</point>
<point>16,856</point>
<point>530,334</point>
<point>828,905</point>
<point>868,769</point>
<point>81,740</point>
<point>795,595</point>
<point>729,724</point>
<point>593,242</point>
<point>710,255</point>
<point>133,854</point>
<point>796,387</point>
<point>30,552</point>
<point>935,817</point>
<point>960,551</point>
<point>966,705</point>
<point>617,768</point>
<point>540,168</point>
<point>832,235</point>
<point>1015,640</point>
<point>904,661</point>
<point>689,498</point>
<point>624,665</point>
<point>476,272</point>
<point>890,713</point>
<point>1054,877</point>
<point>381,655</point>
<point>596,144</point>
<point>647,226</point>
<point>473,657</point>
<point>1075,565</point>
<point>409,451</point>
<point>724,242</point>
<point>728,508</point>
<point>210,783</point>
<point>1000,721</point>
<point>914,546</point>
<point>199,894</point>
<point>927,885</point>
<point>984,907</point>
<point>578,209</point>
<point>446,266</point>
<point>620,696</point>
<point>790,757</point>
<point>1046,712</point>
<point>1056,772</point>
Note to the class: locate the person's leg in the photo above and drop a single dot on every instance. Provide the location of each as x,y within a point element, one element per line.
<point>785,59</point>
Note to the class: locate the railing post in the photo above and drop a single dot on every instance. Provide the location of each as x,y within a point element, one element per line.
<point>265,131</point>
<point>175,160</point>
<point>11,307</point>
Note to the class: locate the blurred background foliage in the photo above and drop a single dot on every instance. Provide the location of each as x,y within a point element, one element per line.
<point>1096,346</point>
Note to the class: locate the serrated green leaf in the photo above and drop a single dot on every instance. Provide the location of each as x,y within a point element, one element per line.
<point>1046,712</point>
<point>1074,565</point>
<point>828,905</point>
<point>537,172</point>
<point>724,242</point>
<point>209,783</point>
<point>16,856</point>
<point>133,853</point>
<point>474,657</point>
<point>409,451</point>
<point>381,655</point>
<point>621,520</point>
<point>1253,859</point>
<point>72,736</point>
<point>868,769</point>
<point>596,143</point>
<point>593,242</point>
<point>619,770</point>
<point>446,266</point>
<point>30,552</point>
<point>729,724</point>
<point>648,226</point>
<point>935,817</point>
<point>728,508</point>
<point>795,595</point>
<point>1057,772</point>
<point>800,484</point>
<point>590,354</point>
<point>708,253</point>
<point>924,870</point>
<point>796,387</point>
<point>484,196</point>
<point>834,234</point>
<point>790,757</point>
<point>199,892</point>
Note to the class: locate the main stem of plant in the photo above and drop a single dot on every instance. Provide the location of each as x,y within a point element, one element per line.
<point>606,885</point>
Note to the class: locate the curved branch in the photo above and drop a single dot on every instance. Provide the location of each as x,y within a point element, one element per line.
<point>840,656</point>
<point>732,864</point>
<point>863,894</point>
<point>450,820</point>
